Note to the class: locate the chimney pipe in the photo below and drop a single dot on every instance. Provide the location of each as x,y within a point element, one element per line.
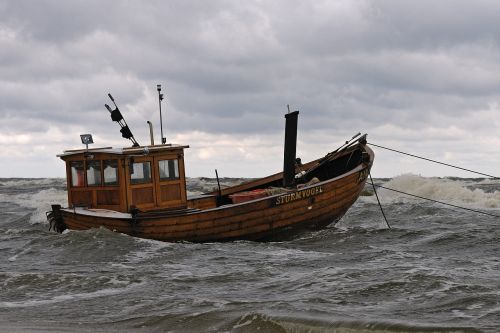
<point>290,148</point>
<point>151,133</point>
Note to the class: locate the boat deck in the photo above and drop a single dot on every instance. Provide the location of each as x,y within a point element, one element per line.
<point>98,212</point>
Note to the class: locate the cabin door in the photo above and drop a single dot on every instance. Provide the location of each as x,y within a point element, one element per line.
<point>141,186</point>
<point>171,183</point>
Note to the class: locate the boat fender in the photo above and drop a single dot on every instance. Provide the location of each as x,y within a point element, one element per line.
<point>313,181</point>
<point>300,174</point>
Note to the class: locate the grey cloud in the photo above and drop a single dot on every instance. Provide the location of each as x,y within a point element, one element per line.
<point>230,67</point>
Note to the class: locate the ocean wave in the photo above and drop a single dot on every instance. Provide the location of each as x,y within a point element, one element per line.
<point>32,195</point>
<point>441,189</point>
<point>146,250</point>
<point>203,184</point>
<point>33,302</point>
<point>39,202</point>
<point>261,322</point>
<point>31,182</point>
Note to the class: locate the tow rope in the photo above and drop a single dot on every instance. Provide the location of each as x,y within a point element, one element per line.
<point>433,161</point>
<point>421,197</point>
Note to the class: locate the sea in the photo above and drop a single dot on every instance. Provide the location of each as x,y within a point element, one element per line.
<point>437,269</point>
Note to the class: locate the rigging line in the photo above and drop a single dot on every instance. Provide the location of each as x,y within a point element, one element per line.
<point>434,161</point>
<point>375,191</point>
<point>443,203</point>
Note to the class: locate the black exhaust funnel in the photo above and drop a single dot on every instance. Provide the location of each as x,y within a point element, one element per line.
<point>290,148</point>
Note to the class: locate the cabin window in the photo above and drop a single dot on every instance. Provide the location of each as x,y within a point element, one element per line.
<point>140,173</point>
<point>169,169</point>
<point>77,174</point>
<point>110,172</point>
<point>93,173</point>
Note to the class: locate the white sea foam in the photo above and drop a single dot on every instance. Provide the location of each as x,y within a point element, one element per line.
<point>203,185</point>
<point>14,231</point>
<point>154,248</point>
<point>446,190</point>
<point>37,202</point>
<point>31,182</point>
<point>489,181</point>
<point>40,202</point>
<point>14,257</point>
<point>295,253</point>
<point>70,297</point>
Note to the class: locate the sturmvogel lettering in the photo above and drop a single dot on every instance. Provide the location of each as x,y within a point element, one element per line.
<point>302,194</point>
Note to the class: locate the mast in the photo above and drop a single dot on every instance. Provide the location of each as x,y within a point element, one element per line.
<point>160,98</point>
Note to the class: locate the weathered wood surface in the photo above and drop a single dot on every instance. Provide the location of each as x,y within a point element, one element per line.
<point>314,206</point>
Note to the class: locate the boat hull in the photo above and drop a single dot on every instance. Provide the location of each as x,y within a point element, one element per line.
<point>277,216</point>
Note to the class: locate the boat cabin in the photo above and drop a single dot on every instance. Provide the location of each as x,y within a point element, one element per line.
<point>145,178</point>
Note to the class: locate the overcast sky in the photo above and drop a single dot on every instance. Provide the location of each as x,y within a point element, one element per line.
<point>418,76</point>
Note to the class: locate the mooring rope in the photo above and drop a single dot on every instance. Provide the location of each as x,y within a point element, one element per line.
<point>440,202</point>
<point>424,198</point>
<point>376,195</point>
<point>430,160</point>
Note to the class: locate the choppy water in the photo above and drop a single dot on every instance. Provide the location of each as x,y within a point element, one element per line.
<point>437,270</point>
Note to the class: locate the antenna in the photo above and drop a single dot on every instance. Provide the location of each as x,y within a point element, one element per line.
<point>160,98</point>
<point>116,115</point>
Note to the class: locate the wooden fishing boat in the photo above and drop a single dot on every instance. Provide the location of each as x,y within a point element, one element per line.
<point>141,191</point>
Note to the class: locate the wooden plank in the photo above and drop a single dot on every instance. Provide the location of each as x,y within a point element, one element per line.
<point>253,217</point>
<point>316,205</point>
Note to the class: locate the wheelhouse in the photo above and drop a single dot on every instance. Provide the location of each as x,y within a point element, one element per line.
<point>144,178</point>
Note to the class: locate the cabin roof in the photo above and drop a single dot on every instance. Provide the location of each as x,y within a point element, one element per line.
<point>125,151</point>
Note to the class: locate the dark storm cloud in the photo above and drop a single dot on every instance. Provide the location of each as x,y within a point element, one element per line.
<point>231,67</point>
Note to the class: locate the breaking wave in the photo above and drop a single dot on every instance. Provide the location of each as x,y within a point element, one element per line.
<point>452,191</point>
<point>429,273</point>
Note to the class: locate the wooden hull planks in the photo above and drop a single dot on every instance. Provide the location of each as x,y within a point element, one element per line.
<point>310,207</point>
